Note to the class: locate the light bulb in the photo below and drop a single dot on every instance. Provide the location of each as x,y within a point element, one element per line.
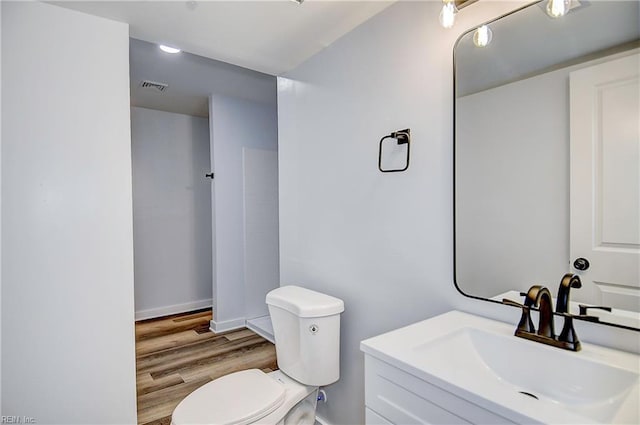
<point>558,8</point>
<point>482,37</point>
<point>168,49</point>
<point>448,14</point>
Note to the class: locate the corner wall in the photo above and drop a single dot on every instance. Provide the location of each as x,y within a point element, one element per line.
<point>67,250</point>
<point>381,242</point>
<point>236,124</point>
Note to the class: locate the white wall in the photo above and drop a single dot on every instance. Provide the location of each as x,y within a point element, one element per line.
<point>0,213</point>
<point>171,212</point>
<point>67,249</point>
<point>513,139</point>
<point>193,77</point>
<point>261,260</point>
<point>234,124</point>
<point>381,242</point>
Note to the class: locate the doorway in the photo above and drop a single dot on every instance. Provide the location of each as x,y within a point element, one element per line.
<point>171,212</point>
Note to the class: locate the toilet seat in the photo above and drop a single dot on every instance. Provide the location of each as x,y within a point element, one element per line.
<point>237,399</point>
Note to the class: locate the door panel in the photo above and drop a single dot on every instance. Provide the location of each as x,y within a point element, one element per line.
<point>605,180</point>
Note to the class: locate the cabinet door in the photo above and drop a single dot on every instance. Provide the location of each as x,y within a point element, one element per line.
<point>401,398</point>
<point>372,418</point>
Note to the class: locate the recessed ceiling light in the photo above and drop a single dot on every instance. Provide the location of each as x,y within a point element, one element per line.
<point>297,1</point>
<point>168,49</point>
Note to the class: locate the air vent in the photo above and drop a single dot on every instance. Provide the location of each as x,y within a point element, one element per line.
<point>154,85</point>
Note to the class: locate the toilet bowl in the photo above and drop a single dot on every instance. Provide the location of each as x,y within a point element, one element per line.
<point>249,397</point>
<point>306,326</point>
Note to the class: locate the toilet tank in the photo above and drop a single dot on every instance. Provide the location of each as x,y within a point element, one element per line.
<point>306,327</point>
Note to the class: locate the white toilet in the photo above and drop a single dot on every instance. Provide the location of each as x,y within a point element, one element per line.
<point>306,326</point>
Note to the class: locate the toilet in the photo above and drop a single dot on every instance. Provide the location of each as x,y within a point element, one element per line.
<point>306,326</point>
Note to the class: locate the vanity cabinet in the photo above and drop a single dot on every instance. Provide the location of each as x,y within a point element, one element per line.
<point>393,396</point>
<point>459,368</point>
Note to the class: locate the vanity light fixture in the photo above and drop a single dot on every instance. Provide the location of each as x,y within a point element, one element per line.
<point>482,36</point>
<point>168,49</point>
<point>449,10</point>
<point>448,13</point>
<point>558,8</point>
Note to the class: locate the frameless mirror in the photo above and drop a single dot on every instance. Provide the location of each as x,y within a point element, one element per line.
<point>547,156</point>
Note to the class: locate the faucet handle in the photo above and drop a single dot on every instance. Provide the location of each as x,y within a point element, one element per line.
<point>525,324</point>
<point>507,301</point>
<point>583,308</point>
<point>579,316</point>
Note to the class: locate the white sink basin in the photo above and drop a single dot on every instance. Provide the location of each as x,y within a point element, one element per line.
<point>481,361</point>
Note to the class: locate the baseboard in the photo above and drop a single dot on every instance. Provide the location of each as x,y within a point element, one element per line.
<point>322,421</point>
<point>263,327</point>
<point>172,309</point>
<point>226,325</point>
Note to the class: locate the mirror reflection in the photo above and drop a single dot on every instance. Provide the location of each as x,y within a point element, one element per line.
<point>547,156</point>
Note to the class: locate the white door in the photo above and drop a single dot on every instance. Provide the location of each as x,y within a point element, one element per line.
<point>605,181</point>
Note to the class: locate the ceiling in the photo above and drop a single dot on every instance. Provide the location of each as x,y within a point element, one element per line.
<point>191,79</point>
<point>270,36</point>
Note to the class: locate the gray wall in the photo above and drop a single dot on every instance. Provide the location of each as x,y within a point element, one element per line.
<point>67,247</point>
<point>236,124</point>
<point>191,79</point>
<point>171,212</point>
<point>261,260</point>
<point>0,221</point>
<point>512,156</point>
<point>80,265</point>
<point>381,242</point>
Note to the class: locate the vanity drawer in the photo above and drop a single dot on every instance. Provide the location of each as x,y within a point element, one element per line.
<point>401,398</point>
<point>372,418</point>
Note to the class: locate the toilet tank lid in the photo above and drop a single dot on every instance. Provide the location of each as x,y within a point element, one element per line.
<point>304,302</point>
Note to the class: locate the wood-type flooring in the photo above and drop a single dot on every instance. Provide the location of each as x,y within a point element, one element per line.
<point>177,354</point>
